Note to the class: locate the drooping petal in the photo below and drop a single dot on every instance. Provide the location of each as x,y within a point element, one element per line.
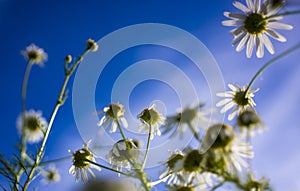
<point>259,47</point>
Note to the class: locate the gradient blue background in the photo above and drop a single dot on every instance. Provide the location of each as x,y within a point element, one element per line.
<point>62,27</point>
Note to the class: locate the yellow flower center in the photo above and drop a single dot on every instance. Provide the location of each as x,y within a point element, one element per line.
<point>80,157</point>
<point>115,111</point>
<point>225,136</point>
<point>32,124</point>
<point>192,162</point>
<point>240,98</point>
<point>150,116</point>
<point>255,23</point>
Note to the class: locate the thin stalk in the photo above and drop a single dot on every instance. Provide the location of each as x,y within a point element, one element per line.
<point>283,14</point>
<point>273,60</point>
<point>59,103</point>
<point>194,132</point>
<point>23,137</point>
<point>121,131</point>
<point>147,147</point>
<point>108,168</point>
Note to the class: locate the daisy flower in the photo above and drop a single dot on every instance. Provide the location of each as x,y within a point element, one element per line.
<point>81,165</point>
<point>237,98</point>
<point>51,175</point>
<point>123,154</point>
<point>248,122</point>
<point>151,117</point>
<point>192,118</point>
<point>35,55</point>
<point>33,126</point>
<point>191,169</point>
<point>91,45</point>
<point>113,114</point>
<point>228,147</point>
<point>255,25</point>
<point>170,173</point>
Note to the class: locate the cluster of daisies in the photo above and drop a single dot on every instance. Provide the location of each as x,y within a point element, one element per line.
<point>223,151</point>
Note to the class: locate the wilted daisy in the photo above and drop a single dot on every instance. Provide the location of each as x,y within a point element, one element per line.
<point>170,173</point>
<point>35,55</point>
<point>81,165</point>
<point>114,114</point>
<point>237,98</point>
<point>254,25</point>
<point>50,175</point>
<point>123,154</point>
<point>151,117</point>
<point>192,118</point>
<point>228,146</point>
<point>249,121</point>
<point>34,125</point>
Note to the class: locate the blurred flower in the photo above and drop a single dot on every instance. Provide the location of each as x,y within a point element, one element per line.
<point>170,173</point>
<point>191,169</point>
<point>175,187</point>
<point>81,164</point>
<point>255,25</point>
<point>151,117</point>
<point>35,55</point>
<point>91,45</point>
<point>34,125</point>
<point>123,154</point>
<point>68,59</point>
<point>107,184</point>
<point>51,175</point>
<point>227,149</point>
<point>257,185</point>
<point>189,117</point>
<point>237,98</point>
<point>113,113</point>
<point>248,121</point>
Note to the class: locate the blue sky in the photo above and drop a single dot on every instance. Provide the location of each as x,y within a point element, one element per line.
<point>62,27</point>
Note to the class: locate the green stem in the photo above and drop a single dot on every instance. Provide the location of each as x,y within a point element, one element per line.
<point>23,137</point>
<point>284,14</point>
<point>147,147</point>
<point>259,72</point>
<point>194,132</point>
<point>121,131</point>
<point>108,168</point>
<point>60,102</point>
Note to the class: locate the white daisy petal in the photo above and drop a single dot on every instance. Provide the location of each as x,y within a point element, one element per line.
<point>277,25</point>
<point>242,43</point>
<point>223,102</point>
<point>250,4</point>
<point>259,47</point>
<point>232,22</point>
<point>257,5</point>
<point>227,107</point>
<point>275,35</point>
<point>241,7</point>
<point>235,15</point>
<point>268,43</point>
<point>250,46</point>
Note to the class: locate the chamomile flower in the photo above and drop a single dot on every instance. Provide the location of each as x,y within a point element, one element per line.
<point>33,125</point>
<point>254,25</point>
<point>249,122</point>
<point>51,175</point>
<point>191,169</point>
<point>151,117</point>
<point>123,154</point>
<point>237,98</point>
<point>81,164</point>
<point>91,45</point>
<point>191,118</point>
<point>170,173</point>
<point>35,55</point>
<point>114,114</point>
<point>229,147</point>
